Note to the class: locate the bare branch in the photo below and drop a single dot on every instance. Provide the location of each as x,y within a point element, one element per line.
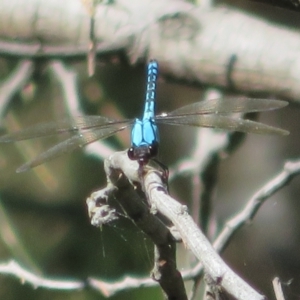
<point>109,289</point>
<point>197,242</point>
<point>134,204</point>
<point>13,268</point>
<point>176,212</point>
<point>14,83</point>
<point>277,289</point>
<point>190,233</point>
<point>290,170</point>
<point>68,81</point>
<point>210,147</point>
<point>191,42</point>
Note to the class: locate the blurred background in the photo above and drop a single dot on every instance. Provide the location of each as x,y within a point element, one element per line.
<point>44,221</point>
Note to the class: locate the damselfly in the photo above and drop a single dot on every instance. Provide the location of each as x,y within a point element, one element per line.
<point>144,136</point>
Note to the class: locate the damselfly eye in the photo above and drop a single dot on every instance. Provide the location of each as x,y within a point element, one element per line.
<point>153,150</point>
<point>130,153</point>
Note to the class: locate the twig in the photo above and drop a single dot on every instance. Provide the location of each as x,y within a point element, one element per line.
<point>110,289</point>
<point>190,233</point>
<point>290,170</point>
<point>278,289</point>
<point>68,81</point>
<point>210,147</point>
<point>13,268</point>
<point>13,83</point>
<point>134,203</point>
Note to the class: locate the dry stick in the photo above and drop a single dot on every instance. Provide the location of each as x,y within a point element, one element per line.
<point>291,169</point>
<point>13,268</point>
<point>202,164</point>
<point>14,83</point>
<point>204,182</point>
<point>277,289</point>
<point>67,78</point>
<point>189,232</point>
<point>109,289</point>
<point>192,43</point>
<point>134,203</point>
<point>195,240</point>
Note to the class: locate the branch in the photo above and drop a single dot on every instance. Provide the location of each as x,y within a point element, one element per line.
<point>290,170</point>
<point>202,164</point>
<point>197,242</point>
<point>277,289</point>
<point>14,83</point>
<point>219,46</point>
<point>192,237</point>
<point>133,202</point>
<point>15,269</point>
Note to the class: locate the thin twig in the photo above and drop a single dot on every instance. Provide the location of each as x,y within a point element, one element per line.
<point>135,204</point>
<point>109,289</point>
<point>68,81</point>
<point>210,147</point>
<point>13,268</point>
<point>14,83</point>
<point>290,170</point>
<point>189,232</point>
<point>277,289</point>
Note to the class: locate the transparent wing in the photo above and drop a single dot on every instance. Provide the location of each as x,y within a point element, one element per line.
<point>226,106</point>
<point>223,122</point>
<point>71,144</point>
<point>73,125</point>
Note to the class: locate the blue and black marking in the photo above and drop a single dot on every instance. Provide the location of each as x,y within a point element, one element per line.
<point>144,134</point>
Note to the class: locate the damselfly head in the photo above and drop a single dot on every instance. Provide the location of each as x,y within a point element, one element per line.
<point>143,154</point>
